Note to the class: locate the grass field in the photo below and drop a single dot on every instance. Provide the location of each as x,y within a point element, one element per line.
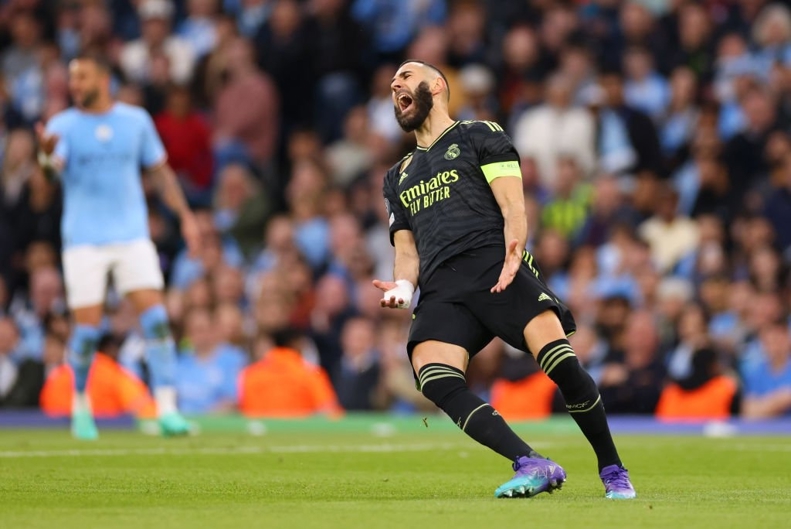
<point>433,478</point>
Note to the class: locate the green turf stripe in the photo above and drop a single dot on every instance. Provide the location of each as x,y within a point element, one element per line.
<point>559,360</point>
<point>463,428</point>
<point>589,408</point>
<point>549,356</point>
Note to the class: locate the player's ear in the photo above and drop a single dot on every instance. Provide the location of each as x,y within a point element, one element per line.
<point>437,86</point>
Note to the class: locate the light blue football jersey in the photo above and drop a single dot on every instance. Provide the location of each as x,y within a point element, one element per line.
<point>103,156</point>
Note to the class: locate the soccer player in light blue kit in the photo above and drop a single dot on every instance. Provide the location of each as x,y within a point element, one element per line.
<point>98,148</point>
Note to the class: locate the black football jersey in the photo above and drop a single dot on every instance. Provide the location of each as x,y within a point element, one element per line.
<point>442,194</point>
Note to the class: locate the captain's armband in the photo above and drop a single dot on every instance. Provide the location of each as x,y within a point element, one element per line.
<point>495,170</point>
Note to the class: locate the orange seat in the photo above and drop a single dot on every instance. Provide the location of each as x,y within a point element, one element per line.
<point>710,401</point>
<point>283,384</point>
<point>113,391</point>
<point>529,398</point>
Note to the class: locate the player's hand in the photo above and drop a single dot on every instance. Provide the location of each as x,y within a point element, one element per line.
<point>397,294</point>
<point>191,233</point>
<point>513,260</point>
<point>46,141</point>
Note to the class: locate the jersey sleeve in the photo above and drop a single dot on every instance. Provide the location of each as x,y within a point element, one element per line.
<point>153,152</point>
<point>396,213</point>
<point>497,155</point>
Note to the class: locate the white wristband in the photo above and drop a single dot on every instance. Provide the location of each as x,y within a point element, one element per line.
<point>402,292</point>
<point>44,160</point>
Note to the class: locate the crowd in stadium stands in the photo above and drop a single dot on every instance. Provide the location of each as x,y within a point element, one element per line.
<point>655,139</point>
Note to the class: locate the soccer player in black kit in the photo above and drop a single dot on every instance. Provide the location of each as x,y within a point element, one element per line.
<point>457,221</point>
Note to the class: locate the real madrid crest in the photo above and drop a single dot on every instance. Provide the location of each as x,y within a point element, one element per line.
<point>452,152</point>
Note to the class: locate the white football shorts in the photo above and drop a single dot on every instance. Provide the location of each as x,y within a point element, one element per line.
<point>132,265</point>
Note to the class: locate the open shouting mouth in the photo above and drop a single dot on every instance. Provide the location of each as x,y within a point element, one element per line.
<point>404,101</point>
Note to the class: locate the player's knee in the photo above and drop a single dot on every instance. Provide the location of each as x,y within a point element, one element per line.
<point>440,383</point>
<point>154,322</point>
<point>559,362</point>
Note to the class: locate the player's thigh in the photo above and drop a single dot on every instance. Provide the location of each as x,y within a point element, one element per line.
<point>137,274</point>
<point>85,270</point>
<point>444,333</point>
<point>508,314</point>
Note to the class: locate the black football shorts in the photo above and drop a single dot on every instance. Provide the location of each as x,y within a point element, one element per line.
<point>456,304</point>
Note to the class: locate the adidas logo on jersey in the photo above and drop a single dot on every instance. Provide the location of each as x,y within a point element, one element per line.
<point>544,297</point>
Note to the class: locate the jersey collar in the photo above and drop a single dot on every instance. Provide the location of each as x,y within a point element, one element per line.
<point>451,127</point>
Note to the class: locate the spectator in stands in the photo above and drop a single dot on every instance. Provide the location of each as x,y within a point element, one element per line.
<point>522,391</point>
<point>678,122</point>
<point>694,48</point>
<point>231,326</point>
<point>112,390</point>
<point>305,194</point>
<point>744,152</point>
<point>478,86</point>
<point>281,383</point>
<point>573,132</point>
<point>631,379</point>
<point>777,208</point>
<point>137,56</point>
<point>216,250</point>
<point>208,369</point>
<point>349,157</point>
<point>187,139</point>
<point>21,66</point>
<point>394,23</point>
<point>252,15</point>
<point>21,378</point>
<point>253,125</point>
<point>704,394</point>
<point>18,165</point>
<point>339,50</point>
<point>567,211</point>
<point>627,139</point>
<point>44,298</point>
<point>644,89</point>
<point>768,384</point>
<point>241,207</point>
<point>520,61</point>
<point>285,51</point>
<point>670,235</point>
<point>199,28</point>
<point>37,215</point>
<point>356,378</point>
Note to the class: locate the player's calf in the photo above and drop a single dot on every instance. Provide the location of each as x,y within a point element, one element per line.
<point>446,386</point>
<point>82,347</point>
<point>583,401</point>
<point>161,356</point>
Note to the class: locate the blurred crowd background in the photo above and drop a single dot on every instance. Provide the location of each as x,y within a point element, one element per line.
<point>656,161</point>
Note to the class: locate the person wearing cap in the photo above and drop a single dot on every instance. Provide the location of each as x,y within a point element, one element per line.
<point>137,56</point>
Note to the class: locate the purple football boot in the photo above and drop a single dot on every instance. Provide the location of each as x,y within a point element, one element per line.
<point>533,476</point>
<point>616,483</point>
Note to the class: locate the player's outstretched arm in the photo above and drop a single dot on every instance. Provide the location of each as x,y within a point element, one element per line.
<point>46,144</point>
<point>398,293</point>
<point>510,197</point>
<point>169,189</point>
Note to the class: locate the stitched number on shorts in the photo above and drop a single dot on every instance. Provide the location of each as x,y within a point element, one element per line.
<point>527,257</point>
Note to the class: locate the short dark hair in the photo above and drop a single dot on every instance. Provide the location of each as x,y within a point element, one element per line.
<point>287,337</point>
<point>431,66</point>
<point>101,61</point>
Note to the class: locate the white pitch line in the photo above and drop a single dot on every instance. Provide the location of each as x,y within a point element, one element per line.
<point>298,449</point>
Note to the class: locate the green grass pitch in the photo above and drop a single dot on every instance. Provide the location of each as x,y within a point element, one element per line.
<point>421,478</point>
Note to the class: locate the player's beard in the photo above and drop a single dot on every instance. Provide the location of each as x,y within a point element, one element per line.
<point>422,103</point>
<point>90,98</point>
